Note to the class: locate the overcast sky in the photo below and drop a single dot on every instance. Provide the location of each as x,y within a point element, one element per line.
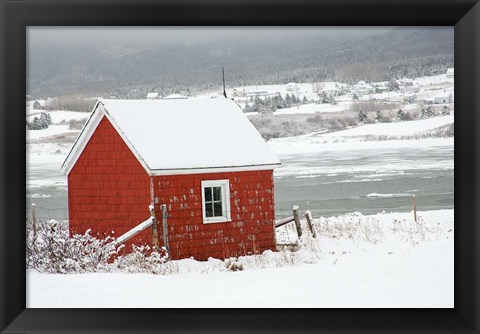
<point>48,36</point>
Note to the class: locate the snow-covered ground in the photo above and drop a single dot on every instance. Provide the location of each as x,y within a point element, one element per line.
<point>58,116</point>
<point>407,128</point>
<point>384,260</point>
<point>52,130</point>
<point>51,145</point>
<point>379,135</point>
<point>312,108</point>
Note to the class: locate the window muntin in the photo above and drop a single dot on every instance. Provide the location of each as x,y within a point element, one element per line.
<point>216,201</point>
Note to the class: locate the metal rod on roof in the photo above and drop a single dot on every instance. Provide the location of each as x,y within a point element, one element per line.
<point>223,77</point>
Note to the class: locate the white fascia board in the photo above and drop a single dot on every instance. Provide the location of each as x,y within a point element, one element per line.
<point>158,172</point>
<point>82,139</point>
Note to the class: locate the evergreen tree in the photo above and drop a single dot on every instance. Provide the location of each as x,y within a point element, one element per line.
<point>288,100</point>
<point>393,85</point>
<point>46,118</point>
<point>278,102</point>
<point>379,116</point>
<point>424,113</point>
<point>294,99</point>
<point>400,115</point>
<point>445,110</point>
<point>430,111</point>
<point>361,116</point>
<point>304,101</point>
<point>325,98</point>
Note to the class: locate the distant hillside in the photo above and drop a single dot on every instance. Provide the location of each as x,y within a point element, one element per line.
<point>131,71</point>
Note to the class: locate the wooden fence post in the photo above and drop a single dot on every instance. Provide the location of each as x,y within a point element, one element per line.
<point>296,219</point>
<point>34,221</point>
<point>165,228</point>
<point>414,208</point>
<point>154,228</point>
<point>308,217</point>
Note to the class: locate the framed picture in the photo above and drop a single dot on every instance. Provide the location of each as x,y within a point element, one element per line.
<point>27,23</point>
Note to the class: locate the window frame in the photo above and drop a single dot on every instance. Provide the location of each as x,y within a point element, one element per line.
<point>225,190</point>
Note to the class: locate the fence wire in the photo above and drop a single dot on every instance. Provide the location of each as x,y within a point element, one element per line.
<point>44,213</point>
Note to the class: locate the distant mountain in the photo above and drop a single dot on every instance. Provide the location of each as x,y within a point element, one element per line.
<point>131,71</point>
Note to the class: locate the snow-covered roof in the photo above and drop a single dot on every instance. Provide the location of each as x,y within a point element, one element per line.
<point>152,95</point>
<point>443,95</point>
<point>175,96</point>
<point>181,134</point>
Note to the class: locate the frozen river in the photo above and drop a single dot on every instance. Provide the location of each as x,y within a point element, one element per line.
<point>328,182</point>
<point>367,180</point>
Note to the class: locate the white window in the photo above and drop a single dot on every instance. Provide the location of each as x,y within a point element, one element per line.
<point>216,201</point>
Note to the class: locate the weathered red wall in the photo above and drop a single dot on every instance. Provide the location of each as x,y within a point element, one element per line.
<point>252,211</point>
<point>108,189</point>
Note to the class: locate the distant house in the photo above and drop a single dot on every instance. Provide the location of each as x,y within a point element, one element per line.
<point>443,98</point>
<point>426,101</point>
<point>363,88</point>
<point>381,89</point>
<point>260,94</point>
<point>292,87</point>
<point>152,96</point>
<point>450,73</point>
<point>411,88</point>
<point>39,105</point>
<point>409,98</point>
<point>201,158</point>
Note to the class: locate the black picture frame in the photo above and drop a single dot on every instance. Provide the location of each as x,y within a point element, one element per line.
<point>16,15</point>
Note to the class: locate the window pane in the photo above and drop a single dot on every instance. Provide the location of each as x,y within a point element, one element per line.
<point>217,193</point>
<point>217,209</point>
<point>208,194</point>
<point>208,210</point>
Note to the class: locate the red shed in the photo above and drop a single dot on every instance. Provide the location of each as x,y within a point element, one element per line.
<point>201,157</point>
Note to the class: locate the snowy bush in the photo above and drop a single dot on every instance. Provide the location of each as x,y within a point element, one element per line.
<point>140,261</point>
<point>40,123</point>
<point>374,229</point>
<point>76,124</point>
<point>316,119</point>
<point>232,264</point>
<point>50,249</point>
<point>341,123</point>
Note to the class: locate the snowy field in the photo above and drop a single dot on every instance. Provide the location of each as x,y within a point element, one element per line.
<point>384,260</point>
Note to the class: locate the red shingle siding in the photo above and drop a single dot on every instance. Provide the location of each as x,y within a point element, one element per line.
<point>252,211</point>
<point>108,189</point>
